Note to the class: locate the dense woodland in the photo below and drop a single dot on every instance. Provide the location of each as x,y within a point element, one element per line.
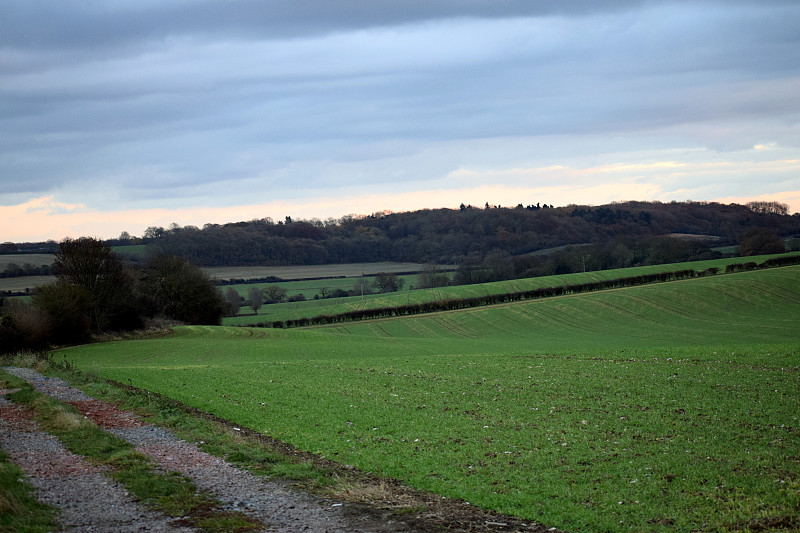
<point>489,242</point>
<point>468,234</point>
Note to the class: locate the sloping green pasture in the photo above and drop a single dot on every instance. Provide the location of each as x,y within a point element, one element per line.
<point>335,306</point>
<point>656,408</point>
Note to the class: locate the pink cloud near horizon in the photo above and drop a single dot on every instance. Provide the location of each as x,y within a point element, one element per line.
<point>43,219</point>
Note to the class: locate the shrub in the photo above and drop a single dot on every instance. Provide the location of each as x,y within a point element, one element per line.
<point>179,290</point>
<point>24,326</point>
<point>68,310</point>
<point>759,241</point>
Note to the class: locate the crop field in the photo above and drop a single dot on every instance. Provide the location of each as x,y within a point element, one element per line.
<point>342,276</point>
<point>135,251</point>
<point>311,287</point>
<point>21,259</point>
<point>663,407</point>
<point>24,283</point>
<point>351,270</point>
<point>334,306</point>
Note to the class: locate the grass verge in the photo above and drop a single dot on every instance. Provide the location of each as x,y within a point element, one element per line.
<point>20,511</point>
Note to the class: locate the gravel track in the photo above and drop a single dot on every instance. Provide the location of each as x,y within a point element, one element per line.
<point>276,505</point>
<point>88,500</point>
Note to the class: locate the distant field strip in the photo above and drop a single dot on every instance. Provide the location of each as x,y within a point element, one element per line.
<point>311,271</point>
<point>332,307</point>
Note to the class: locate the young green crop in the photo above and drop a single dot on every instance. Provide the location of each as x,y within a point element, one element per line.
<point>663,407</point>
<point>335,306</point>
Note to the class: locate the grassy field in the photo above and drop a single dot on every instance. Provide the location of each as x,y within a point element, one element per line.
<point>334,306</point>
<point>311,287</point>
<point>135,251</point>
<point>21,259</point>
<point>655,408</point>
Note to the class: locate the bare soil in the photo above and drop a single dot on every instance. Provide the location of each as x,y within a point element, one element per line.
<point>311,271</point>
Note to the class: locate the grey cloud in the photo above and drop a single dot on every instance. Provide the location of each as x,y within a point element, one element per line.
<point>166,95</point>
<point>51,23</point>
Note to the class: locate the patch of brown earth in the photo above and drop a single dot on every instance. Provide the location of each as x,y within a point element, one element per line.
<point>106,415</point>
<point>16,416</point>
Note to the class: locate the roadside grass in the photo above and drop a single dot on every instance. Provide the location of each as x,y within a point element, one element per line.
<point>20,511</point>
<point>169,492</point>
<point>657,408</point>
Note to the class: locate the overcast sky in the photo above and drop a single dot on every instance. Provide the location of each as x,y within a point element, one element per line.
<point>118,115</point>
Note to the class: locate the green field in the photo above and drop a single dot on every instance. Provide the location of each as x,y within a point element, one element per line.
<point>21,259</point>
<point>335,306</point>
<point>314,287</point>
<point>134,251</point>
<point>665,407</point>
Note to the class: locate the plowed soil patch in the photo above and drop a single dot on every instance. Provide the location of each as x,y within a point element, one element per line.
<point>106,415</point>
<point>17,417</point>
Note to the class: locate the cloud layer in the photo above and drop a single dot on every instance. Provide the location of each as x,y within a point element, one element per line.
<point>194,104</point>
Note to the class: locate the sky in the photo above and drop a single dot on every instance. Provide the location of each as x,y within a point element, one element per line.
<point>117,115</point>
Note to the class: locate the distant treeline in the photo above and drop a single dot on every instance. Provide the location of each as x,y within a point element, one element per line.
<point>468,236</point>
<point>463,236</point>
<point>544,292</point>
<point>275,279</point>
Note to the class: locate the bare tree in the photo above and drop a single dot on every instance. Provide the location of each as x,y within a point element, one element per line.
<point>234,301</point>
<point>361,287</point>
<point>388,282</point>
<point>90,263</point>
<point>756,241</point>
<point>431,277</point>
<point>274,294</point>
<point>768,208</point>
<point>256,298</point>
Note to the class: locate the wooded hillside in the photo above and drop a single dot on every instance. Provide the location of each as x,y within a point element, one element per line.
<point>454,236</point>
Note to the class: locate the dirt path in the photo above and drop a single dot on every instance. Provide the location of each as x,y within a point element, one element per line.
<point>89,501</point>
<point>280,507</point>
<point>274,504</point>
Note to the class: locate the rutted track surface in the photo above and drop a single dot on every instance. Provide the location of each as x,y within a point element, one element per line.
<point>88,500</point>
<point>274,504</point>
